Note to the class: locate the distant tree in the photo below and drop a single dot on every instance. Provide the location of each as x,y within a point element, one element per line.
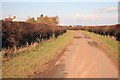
<point>45,19</point>
<point>40,19</point>
<point>70,25</point>
<point>31,19</point>
<point>49,20</point>
<point>41,15</point>
<point>54,20</point>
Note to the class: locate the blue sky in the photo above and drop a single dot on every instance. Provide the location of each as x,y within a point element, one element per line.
<point>74,13</point>
<point>59,0</point>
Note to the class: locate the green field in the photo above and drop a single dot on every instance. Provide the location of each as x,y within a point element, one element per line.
<point>33,59</point>
<point>109,44</point>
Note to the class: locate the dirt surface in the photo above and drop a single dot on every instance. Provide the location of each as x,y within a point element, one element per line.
<point>83,59</point>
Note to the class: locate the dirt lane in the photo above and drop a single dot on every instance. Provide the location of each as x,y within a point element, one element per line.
<point>84,60</point>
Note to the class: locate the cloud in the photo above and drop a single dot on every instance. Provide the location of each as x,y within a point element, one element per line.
<point>85,17</point>
<point>92,18</point>
<point>114,17</point>
<point>105,10</point>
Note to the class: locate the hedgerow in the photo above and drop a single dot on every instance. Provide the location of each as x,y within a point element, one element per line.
<point>17,34</point>
<point>110,30</point>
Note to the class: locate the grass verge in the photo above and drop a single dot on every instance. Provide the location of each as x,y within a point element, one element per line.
<point>33,59</point>
<point>110,45</point>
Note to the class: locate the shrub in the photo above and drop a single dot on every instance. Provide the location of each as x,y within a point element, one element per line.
<point>17,34</point>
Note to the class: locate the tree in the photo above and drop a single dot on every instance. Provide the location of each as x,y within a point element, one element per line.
<point>41,15</point>
<point>49,20</point>
<point>31,19</point>
<point>54,20</point>
<point>45,19</point>
<point>40,19</point>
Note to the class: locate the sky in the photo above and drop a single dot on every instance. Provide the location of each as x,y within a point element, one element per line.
<point>69,13</point>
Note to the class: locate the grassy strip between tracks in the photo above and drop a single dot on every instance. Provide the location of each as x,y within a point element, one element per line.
<point>109,44</point>
<point>33,59</point>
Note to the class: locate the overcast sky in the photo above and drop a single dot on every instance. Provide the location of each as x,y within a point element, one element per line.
<point>69,13</point>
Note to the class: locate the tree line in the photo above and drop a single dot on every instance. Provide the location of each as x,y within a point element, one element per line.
<point>44,19</point>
